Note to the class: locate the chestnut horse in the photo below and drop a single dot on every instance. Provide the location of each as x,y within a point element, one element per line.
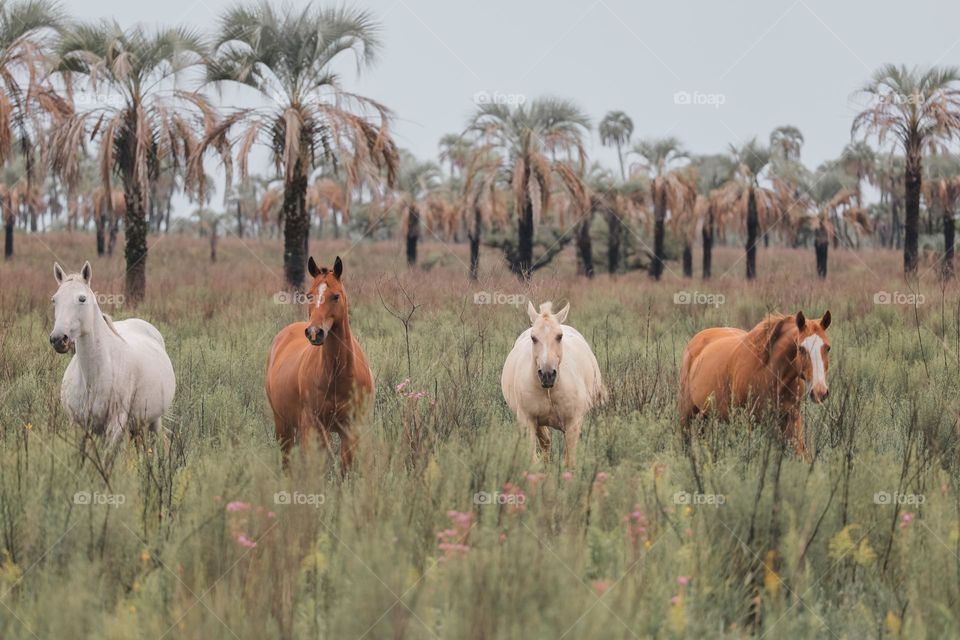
<point>317,375</point>
<point>765,369</point>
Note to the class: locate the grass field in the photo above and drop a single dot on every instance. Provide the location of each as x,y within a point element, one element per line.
<point>200,534</point>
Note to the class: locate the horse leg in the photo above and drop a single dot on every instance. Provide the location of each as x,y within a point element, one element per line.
<point>285,436</point>
<point>543,438</point>
<point>571,436</point>
<point>348,442</point>
<point>794,433</point>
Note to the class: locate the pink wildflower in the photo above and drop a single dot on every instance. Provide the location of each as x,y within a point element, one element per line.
<point>237,505</point>
<point>244,541</point>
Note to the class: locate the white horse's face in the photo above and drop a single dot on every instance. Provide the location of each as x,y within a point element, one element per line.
<point>546,334</point>
<point>75,307</point>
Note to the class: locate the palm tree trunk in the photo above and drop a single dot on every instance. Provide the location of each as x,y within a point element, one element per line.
<point>8,221</point>
<point>912,184</point>
<point>135,230</point>
<point>413,235</point>
<point>100,224</point>
<point>821,245</point>
<point>524,257</point>
<point>614,238</point>
<point>213,241</point>
<point>753,226</point>
<point>687,260</point>
<point>585,247</point>
<point>239,220</point>
<point>949,233</point>
<point>114,229</point>
<point>659,217</point>
<point>474,236</point>
<point>295,229</point>
<point>623,173</point>
<point>708,245</point>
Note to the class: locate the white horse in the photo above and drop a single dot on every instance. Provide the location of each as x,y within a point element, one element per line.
<point>121,376</point>
<point>551,379</point>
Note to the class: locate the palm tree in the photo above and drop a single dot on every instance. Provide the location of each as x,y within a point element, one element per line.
<point>859,160</point>
<point>786,142</point>
<point>750,202</point>
<point>416,181</point>
<point>455,151</point>
<point>147,124</point>
<point>289,55</point>
<point>615,129</point>
<point>713,171</point>
<point>941,190</point>
<point>528,139</point>
<point>483,202</point>
<point>921,110</point>
<point>22,28</point>
<point>660,157</point>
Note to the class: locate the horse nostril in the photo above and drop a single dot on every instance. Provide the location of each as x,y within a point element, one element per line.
<point>825,395</point>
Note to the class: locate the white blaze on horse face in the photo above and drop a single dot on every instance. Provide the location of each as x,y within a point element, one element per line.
<point>320,291</point>
<point>814,346</point>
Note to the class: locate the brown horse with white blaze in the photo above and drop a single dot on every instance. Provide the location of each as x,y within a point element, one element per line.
<point>768,368</point>
<point>317,375</point>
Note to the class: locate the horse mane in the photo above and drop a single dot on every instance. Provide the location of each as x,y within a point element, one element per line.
<point>112,328</point>
<point>767,333</point>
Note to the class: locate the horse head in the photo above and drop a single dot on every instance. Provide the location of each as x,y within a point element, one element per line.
<point>75,307</point>
<point>813,355</point>
<point>328,301</point>
<point>546,334</point>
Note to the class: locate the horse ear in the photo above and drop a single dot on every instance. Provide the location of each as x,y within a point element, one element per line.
<point>801,321</point>
<point>87,272</point>
<point>312,267</point>
<point>562,314</point>
<point>532,312</point>
<point>825,320</point>
<point>337,268</point>
<point>58,272</point>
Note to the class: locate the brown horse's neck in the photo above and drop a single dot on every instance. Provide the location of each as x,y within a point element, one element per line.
<point>338,350</point>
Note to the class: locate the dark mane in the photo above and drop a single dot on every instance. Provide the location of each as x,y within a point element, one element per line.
<point>764,337</point>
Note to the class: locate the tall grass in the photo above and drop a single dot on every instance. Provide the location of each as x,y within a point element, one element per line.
<point>197,532</point>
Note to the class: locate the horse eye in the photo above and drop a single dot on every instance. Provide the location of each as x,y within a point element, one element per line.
<point>83,298</point>
<point>534,338</point>
<point>828,348</point>
<point>559,337</point>
<point>335,297</point>
<point>803,350</point>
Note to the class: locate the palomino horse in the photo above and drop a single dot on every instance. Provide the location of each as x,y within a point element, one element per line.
<point>764,369</point>
<point>551,379</point>
<point>121,375</point>
<point>317,375</point>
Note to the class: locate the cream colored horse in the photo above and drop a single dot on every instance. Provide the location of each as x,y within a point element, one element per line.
<point>551,379</point>
<point>121,376</point>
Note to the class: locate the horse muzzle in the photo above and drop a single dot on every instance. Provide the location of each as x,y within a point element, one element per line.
<point>547,378</point>
<point>315,335</point>
<point>819,393</point>
<point>61,343</point>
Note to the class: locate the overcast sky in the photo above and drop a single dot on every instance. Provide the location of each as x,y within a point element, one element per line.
<point>746,67</point>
